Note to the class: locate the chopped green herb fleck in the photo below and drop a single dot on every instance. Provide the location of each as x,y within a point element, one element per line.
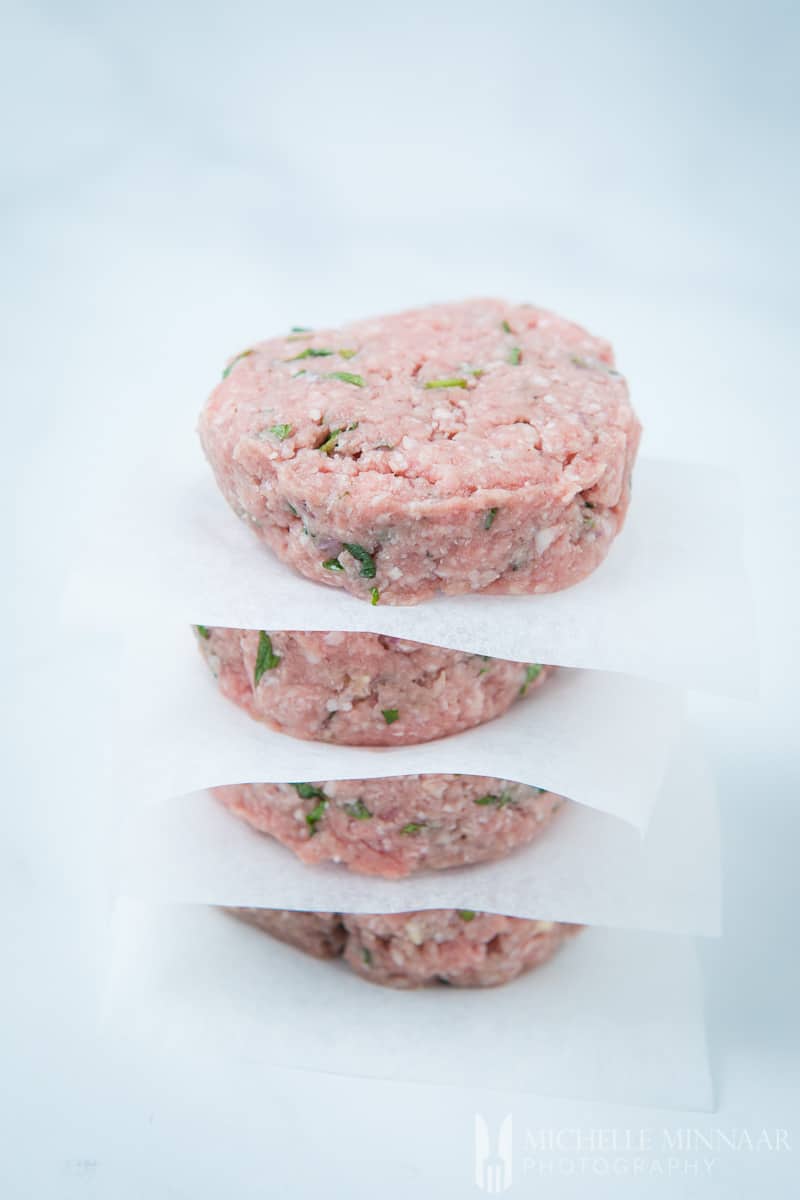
<point>329,445</point>
<point>296,373</point>
<point>457,381</point>
<point>390,715</point>
<point>466,914</point>
<point>281,431</point>
<point>204,631</point>
<point>477,372</point>
<point>346,377</point>
<point>307,791</point>
<point>374,596</point>
<point>292,509</point>
<point>514,355</point>
<point>488,520</point>
<point>347,353</point>
<point>234,361</point>
<point>301,329</point>
<point>366,955</point>
<point>316,814</point>
<point>413,827</point>
<point>588,521</point>
<point>532,672</point>
<point>358,809</point>
<point>498,801</point>
<point>266,660</point>
<point>363,556</point>
<point>310,352</point>
<point>332,564</point>
<point>579,362</point>
<point>506,327</point>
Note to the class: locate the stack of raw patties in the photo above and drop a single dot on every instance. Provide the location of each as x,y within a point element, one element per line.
<point>410,767</point>
<point>474,448</point>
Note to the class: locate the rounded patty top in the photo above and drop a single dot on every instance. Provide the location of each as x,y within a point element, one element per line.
<point>456,448</point>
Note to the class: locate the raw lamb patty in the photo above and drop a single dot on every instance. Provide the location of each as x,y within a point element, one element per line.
<point>471,447</point>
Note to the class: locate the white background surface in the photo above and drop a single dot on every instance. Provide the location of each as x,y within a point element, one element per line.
<point>180,179</point>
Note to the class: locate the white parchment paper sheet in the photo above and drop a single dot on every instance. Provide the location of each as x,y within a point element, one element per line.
<point>671,602</point>
<point>615,1015</point>
<point>600,738</point>
<point>588,867</point>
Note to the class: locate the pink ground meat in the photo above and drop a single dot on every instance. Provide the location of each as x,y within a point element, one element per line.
<point>362,689</point>
<point>395,826</point>
<point>468,447</point>
<point>409,950</point>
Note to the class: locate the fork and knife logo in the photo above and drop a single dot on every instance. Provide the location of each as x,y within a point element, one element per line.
<point>493,1162</point>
